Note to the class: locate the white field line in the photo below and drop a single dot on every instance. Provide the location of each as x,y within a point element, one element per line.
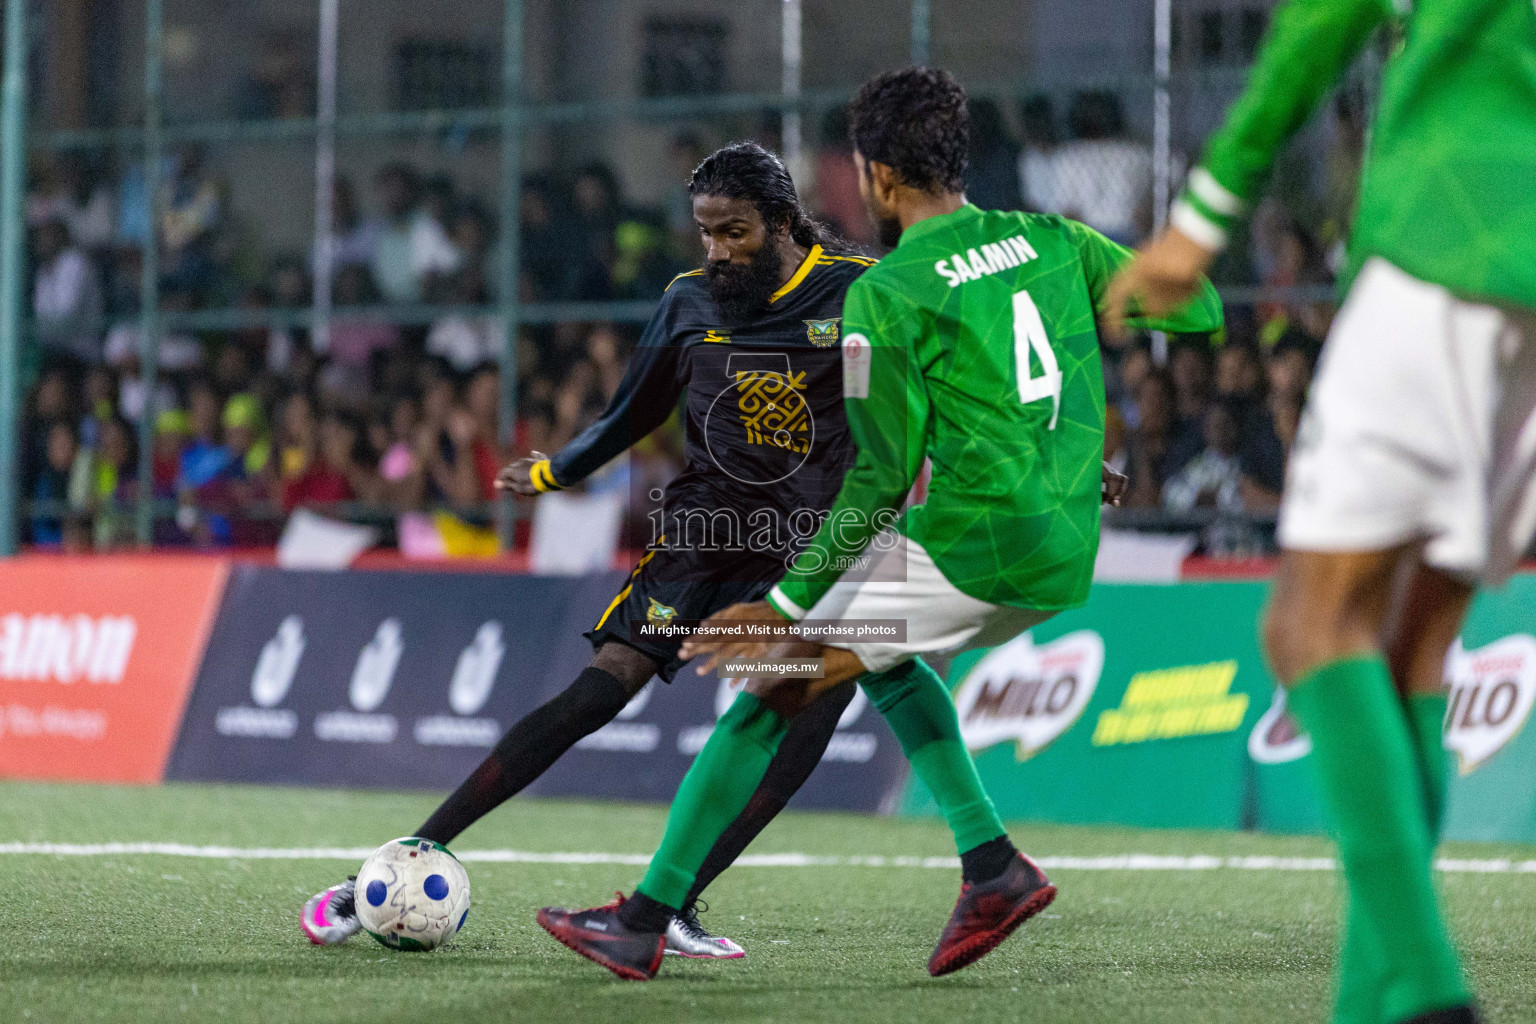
<point>1117,862</point>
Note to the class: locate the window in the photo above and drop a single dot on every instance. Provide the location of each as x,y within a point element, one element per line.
<point>683,57</point>
<point>443,75</point>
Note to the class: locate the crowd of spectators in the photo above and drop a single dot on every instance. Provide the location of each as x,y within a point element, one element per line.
<point>395,413</point>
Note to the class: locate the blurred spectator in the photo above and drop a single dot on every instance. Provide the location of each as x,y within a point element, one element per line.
<point>1213,478</point>
<point>684,153</point>
<point>192,212</point>
<point>1288,372</point>
<point>354,338</point>
<point>1037,157</point>
<point>177,351</point>
<point>203,459</point>
<point>337,469</point>
<point>1239,374</point>
<point>111,485</point>
<point>352,241</point>
<point>124,271</point>
<point>992,180</point>
<point>66,294</point>
<point>1239,381</point>
<point>1287,256</point>
<point>401,472</point>
<point>172,428</point>
<point>466,340</point>
<point>546,249</point>
<point>1135,365</point>
<point>643,262</point>
<point>1101,177</point>
<point>287,287</point>
<point>1147,449</point>
<point>298,436</point>
<point>408,244</point>
<point>245,434</point>
<point>281,80</point>
<point>99,405</point>
<point>482,400</point>
<point>595,216</point>
<point>604,349</point>
<point>837,182</point>
<point>64,190</point>
<point>55,482</point>
<point>470,233</point>
<point>1189,367</point>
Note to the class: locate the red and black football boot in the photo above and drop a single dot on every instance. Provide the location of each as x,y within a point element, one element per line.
<point>601,937</point>
<point>988,912</point>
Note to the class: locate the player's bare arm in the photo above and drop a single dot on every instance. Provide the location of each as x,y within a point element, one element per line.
<point>1166,273</point>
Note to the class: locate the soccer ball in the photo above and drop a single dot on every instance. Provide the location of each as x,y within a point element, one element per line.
<point>412,894</point>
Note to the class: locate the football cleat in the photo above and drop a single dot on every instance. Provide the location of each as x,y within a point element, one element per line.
<point>1455,1015</point>
<point>601,937</point>
<point>330,917</point>
<point>686,937</point>
<point>988,912</point>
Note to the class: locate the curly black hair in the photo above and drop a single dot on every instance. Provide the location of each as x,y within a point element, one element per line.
<point>745,170</point>
<point>915,121</point>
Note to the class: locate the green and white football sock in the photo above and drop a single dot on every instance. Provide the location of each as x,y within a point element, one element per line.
<point>1372,784</point>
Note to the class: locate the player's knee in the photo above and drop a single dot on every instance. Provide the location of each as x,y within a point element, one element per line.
<point>632,668</point>
<point>1277,628</point>
<point>1302,631</point>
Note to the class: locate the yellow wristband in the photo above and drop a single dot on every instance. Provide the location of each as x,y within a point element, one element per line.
<point>543,477</point>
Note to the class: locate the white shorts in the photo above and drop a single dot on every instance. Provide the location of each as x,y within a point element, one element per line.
<point>1419,427</point>
<point>900,581</point>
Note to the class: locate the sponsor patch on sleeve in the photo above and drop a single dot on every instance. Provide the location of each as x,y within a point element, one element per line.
<point>856,359</point>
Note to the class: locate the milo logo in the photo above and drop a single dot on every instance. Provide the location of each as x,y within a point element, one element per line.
<point>1492,691</point>
<point>1276,738</point>
<point>1028,693</point>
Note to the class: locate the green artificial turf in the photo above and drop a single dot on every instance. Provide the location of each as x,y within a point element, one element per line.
<point>152,938</point>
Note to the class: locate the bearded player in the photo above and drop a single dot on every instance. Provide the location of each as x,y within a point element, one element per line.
<point>1411,479</point>
<point>747,343</point>
<point>973,345</point>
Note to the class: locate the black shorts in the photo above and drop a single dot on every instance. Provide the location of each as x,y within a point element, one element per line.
<point>679,586</point>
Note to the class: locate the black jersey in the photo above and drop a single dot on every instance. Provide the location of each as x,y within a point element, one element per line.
<point>767,442</point>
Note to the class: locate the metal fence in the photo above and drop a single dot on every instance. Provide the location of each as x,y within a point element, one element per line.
<point>1170,93</point>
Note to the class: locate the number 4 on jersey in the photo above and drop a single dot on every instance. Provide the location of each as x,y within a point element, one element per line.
<point>1029,333</point>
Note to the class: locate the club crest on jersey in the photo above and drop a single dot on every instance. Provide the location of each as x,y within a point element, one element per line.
<point>659,613</point>
<point>718,337</point>
<point>823,333</point>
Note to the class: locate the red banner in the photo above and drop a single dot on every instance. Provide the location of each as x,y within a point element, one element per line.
<point>97,656</point>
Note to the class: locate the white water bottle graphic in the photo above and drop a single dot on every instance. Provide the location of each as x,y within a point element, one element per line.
<point>475,673</point>
<point>278,662</point>
<point>376,666</point>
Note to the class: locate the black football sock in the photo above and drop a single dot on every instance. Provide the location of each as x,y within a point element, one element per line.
<point>643,914</point>
<point>527,751</point>
<point>985,862</point>
<point>798,755</point>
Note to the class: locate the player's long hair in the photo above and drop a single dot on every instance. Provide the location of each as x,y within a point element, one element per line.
<point>745,170</point>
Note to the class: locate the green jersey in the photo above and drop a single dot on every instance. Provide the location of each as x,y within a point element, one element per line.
<point>1449,191</point>
<point>974,344</point>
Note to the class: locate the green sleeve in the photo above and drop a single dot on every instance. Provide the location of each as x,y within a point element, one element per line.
<point>1103,258</point>
<point>1307,47</point>
<point>886,399</point>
